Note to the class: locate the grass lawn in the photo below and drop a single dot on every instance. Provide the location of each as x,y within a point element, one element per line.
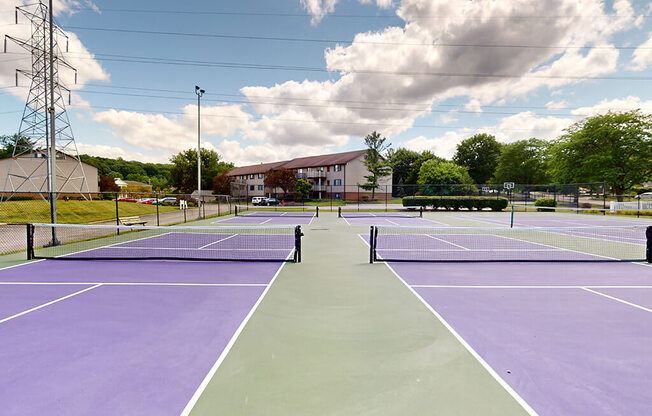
<point>325,202</point>
<point>73,212</point>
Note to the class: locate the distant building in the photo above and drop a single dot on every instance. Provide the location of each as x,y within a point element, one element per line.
<point>30,175</point>
<point>127,187</point>
<point>335,175</point>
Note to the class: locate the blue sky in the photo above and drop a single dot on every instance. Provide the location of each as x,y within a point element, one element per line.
<point>290,78</point>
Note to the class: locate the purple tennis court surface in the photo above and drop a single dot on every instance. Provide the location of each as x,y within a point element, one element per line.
<point>113,337</point>
<point>569,338</point>
<point>294,219</point>
<point>198,246</point>
<point>545,219</point>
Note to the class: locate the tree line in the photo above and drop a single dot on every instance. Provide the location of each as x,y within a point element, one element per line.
<point>613,147</point>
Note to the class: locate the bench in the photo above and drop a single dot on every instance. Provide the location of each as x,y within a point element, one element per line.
<point>132,220</point>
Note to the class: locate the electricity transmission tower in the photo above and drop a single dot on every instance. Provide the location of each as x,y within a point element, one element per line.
<point>39,145</point>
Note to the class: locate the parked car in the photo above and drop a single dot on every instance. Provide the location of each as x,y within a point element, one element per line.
<point>259,200</point>
<point>644,195</point>
<point>148,201</point>
<point>127,200</point>
<point>272,201</point>
<point>168,200</point>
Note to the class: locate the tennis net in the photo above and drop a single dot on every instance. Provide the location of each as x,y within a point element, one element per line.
<point>277,211</point>
<point>113,242</point>
<point>354,212</point>
<point>550,244</point>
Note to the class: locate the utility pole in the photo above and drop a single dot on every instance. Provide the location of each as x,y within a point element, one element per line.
<point>53,148</point>
<point>199,93</point>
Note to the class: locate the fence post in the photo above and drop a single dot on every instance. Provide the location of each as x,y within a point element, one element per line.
<point>117,213</point>
<point>604,197</point>
<point>157,216</point>
<point>371,244</point>
<point>358,198</point>
<point>386,198</point>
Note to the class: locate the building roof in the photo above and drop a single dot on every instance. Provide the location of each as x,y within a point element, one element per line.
<point>300,162</point>
<point>260,168</point>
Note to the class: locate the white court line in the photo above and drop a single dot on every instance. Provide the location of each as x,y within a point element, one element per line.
<point>202,386</point>
<point>618,300</point>
<point>215,242</point>
<point>49,303</point>
<point>267,220</point>
<point>392,222</point>
<point>21,264</point>
<point>530,287</point>
<point>131,284</point>
<point>470,349</point>
<point>448,242</point>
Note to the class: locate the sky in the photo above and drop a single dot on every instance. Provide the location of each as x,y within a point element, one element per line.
<point>291,78</point>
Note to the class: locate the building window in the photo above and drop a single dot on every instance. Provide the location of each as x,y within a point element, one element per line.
<point>337,182</point>
<point>337,168</point>
<point>251,187</point>
<point>338,196</point>
<point>328,168</point>
<point>260,187</point>
<point>328,182</point>
<point>252,176</point>
<point>261,175</point>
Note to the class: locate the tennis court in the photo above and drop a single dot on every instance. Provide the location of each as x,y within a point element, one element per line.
<point>274,215</point>
<point>449,319</point>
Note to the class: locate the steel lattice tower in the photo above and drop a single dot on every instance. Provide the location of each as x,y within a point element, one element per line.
<point>33,158</point>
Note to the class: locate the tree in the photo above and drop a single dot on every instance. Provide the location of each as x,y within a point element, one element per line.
<point>524,161</point>
<point>479,153</point>
<point>374,162</point>
<point>302,188</point>
<point>413,172</point>
<point>222,184</point>
<point>435,171</point>
<point>107,184</point>
<point>183,173</point>
<point>281,178</point>
<point>400,160</point>
<point>7,144</point>
<point>613,147</point>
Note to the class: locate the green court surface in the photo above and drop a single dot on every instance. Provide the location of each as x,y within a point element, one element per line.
<point>338,336</point>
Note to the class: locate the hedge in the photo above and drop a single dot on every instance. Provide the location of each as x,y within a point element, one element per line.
<point>456,203</point>
<point>545,202</point>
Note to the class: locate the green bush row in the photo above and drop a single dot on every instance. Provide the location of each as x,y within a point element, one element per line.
<point>456,203</point>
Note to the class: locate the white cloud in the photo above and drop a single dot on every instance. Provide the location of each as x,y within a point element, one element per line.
<point>616,105</point>
<point>442,146</point>
<point>526,125</point>
<point>234,151</point>
<point>320,8</point>
<point>642,56</point>
<point>556,105</point>
<point>115,152</point>
<point>395,65</point>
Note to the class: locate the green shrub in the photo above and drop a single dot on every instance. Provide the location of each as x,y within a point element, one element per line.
<point>456,203</point>
<point>545,202</point>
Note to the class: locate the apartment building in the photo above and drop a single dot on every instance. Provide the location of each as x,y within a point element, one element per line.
<point>332,176</point>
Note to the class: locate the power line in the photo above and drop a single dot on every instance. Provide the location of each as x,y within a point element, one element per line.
<point>347,41</point>
<point>240,65</point>
<point>362,16</point>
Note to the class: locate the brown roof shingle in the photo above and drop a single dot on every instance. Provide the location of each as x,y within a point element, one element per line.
<point>300,162</point>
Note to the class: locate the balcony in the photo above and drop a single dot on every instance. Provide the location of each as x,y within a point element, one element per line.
<point>315,174</point>
<point>320,188</point>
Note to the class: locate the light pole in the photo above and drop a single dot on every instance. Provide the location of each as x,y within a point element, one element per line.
<point>199,93</point>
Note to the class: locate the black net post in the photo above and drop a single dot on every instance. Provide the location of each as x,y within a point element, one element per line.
<point>316,211</point>
<point>339,212</point>
<point>375,242</point>
<point>421,212</point>
<point>30,242</point>
<point>386,198</point>
<point>371,244</point>
<point>297,244</point>
<point>648,251</point>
